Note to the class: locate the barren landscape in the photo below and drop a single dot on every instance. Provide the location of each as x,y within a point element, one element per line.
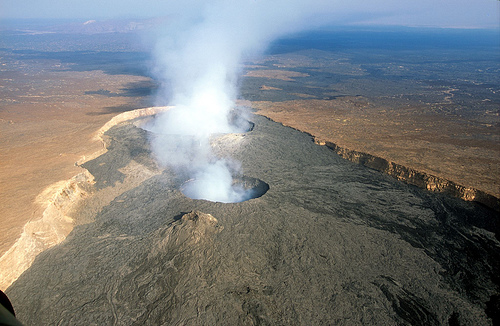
<point>330,241</point>
<point>48,124</point>
<point>395,108</point>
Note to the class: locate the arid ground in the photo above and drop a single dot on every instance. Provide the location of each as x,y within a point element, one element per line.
<point>48,123</point>
<point>411,107</point>
<point>394,106</point>
<point>433,109</point>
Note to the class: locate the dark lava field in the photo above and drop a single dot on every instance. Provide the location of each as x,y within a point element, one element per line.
<point>329,243</point>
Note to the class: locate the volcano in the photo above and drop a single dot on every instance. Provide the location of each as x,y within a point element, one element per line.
<point>328,242</point>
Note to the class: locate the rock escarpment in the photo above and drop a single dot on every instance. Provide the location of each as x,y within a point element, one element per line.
<point>414,177</point>
<point>60,201</point>
<point>54,225</point>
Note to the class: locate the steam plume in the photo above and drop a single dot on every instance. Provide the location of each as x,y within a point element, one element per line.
<point>198,62</point>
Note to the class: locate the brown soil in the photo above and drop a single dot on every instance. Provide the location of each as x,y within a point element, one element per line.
<point>47,123</point>
<point>275,74</point>
<point>410,136</point>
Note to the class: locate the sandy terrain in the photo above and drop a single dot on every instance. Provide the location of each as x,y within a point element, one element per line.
<point>47,123</point>
<point>275,74</point>
<point>424,142</point>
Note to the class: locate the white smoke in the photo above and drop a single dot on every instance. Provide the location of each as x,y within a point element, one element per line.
<point>214,181</point>
<point>198,62</point>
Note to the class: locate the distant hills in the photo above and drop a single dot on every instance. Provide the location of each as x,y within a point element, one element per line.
<point>82,27</point>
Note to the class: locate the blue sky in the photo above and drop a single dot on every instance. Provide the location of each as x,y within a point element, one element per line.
<point>431,13</point>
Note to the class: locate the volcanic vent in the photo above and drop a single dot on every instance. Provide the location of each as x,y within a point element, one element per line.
<point>206,175</point>
<point>242,188</point>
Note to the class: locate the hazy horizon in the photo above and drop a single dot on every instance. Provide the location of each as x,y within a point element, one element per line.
<point>427,13</point>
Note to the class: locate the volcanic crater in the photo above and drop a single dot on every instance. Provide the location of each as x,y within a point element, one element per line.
<point>242,187</point>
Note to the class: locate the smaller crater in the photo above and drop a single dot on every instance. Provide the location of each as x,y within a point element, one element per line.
<point>242,188</point>
<point>237,124</point>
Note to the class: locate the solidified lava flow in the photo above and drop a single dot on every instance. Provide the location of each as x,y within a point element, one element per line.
<point>332,243</point>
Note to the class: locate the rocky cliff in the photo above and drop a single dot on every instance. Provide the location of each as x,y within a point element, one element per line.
<point>55,224</point>
<point>59,202</point>
<point>414,177</point>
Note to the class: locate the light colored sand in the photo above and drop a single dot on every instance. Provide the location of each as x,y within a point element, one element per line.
<point>57,202</point>
<point>47,123</point>
<point>275,74</point>
<point>425,142</point>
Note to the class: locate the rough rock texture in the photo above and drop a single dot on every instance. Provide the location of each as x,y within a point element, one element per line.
<point>52,228</point>
<point>411,138</point>
<point>414,177</point>
<point>47,123</point>
<point>61,198</point>
<point>331,242</point>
